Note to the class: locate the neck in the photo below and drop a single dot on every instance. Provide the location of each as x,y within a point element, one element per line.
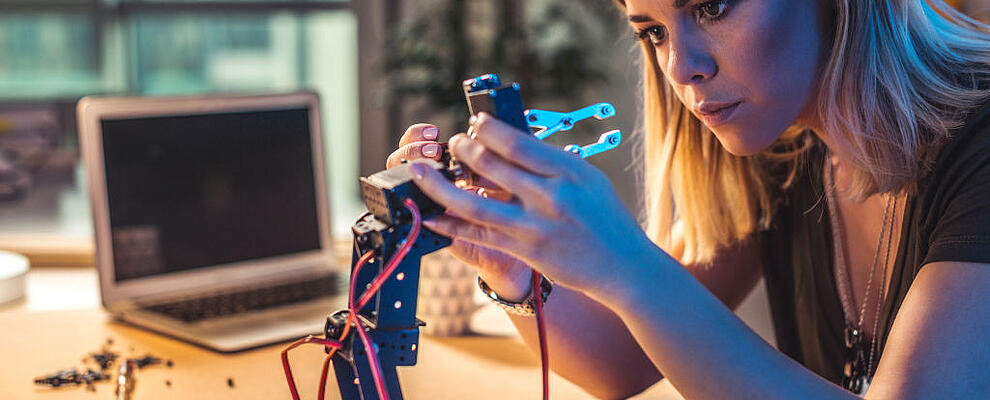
<point>841,168</point>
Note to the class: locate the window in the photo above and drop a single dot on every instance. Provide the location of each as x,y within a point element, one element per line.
<point>65,49</point>
<point>47,53</point>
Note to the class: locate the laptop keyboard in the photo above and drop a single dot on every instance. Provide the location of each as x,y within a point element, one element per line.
<point>193,310</point>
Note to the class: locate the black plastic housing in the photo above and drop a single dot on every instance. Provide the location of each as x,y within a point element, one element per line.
<point>385,191</point>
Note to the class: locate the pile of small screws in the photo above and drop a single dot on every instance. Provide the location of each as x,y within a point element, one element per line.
<point>104,358</point>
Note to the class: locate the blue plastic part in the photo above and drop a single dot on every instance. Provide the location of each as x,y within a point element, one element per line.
<point>607,141</point>
<point>547,123</point>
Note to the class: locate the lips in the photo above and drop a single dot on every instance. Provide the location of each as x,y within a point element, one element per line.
<point>713,113</point>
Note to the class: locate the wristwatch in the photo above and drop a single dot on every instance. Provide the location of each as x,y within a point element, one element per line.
<point>527,306</point>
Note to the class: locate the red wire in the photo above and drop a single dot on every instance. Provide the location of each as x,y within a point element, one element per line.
<point>354,275</point>
<point>285,359</point>
<point>542,332</point>
<point>365,298</point>
<point>323,376</point>
<point>376,368</point>
<point>310,339</point>
<point>399,255</point>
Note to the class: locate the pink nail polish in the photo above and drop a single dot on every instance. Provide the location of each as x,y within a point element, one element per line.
<point>431,133</point>
<point>431,150</point>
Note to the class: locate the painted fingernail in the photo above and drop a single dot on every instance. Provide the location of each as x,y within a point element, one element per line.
<point>430,150</point>
<point>417,170</point>
<point>474,118</point>
<point>431,133</point>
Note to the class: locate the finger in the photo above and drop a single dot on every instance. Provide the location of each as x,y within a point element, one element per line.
<point>484,162</point>
<point>419,133</point>
<point>475,208</point>
<point>463,230</point>
<point>414,151</point>
<point>486,183</point>
<point>521,147</point>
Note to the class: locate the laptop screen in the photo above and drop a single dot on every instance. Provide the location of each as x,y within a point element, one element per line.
<point>195,191</point>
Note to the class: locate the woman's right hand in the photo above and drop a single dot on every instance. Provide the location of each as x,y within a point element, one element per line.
<point>506,275</point>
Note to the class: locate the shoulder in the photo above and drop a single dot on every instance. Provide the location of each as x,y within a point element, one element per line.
<point>967,148</point>
<point>953,201</point>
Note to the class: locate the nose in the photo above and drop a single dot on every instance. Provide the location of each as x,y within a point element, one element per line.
<point>688,60</point>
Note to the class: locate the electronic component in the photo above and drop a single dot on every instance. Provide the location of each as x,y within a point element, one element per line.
<point>487,94</point>
<point>383,193</point>
<point>71,377</point>
<point>104,358</point>
<point>125,380</point>
<point>388,246</point>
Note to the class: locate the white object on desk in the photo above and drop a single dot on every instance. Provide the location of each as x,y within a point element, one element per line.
<point>13,274</point>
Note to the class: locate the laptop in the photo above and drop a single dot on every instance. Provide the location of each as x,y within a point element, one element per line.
<point>211,217</point>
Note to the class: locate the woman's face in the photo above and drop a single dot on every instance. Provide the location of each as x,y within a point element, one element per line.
<point>746,68</point>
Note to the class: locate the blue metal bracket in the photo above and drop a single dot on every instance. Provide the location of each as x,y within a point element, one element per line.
<point>547,123</point>
<point>607,141</point>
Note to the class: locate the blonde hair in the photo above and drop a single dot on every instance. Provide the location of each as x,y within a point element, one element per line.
<point>899,77</point>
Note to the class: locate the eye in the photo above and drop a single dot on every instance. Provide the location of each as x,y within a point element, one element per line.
<point>712,10</point>
<point>655,34</point>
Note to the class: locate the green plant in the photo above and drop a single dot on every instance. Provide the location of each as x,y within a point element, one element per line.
<point>547,46</point>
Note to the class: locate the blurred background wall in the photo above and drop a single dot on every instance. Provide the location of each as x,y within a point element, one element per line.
<point>378,65</point>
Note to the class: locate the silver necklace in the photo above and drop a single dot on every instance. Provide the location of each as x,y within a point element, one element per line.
<point>855,376</point>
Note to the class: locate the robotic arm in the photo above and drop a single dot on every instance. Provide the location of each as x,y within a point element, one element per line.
<point>389,244</point>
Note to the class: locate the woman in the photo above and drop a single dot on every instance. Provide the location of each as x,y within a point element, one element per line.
<point>838,148</point>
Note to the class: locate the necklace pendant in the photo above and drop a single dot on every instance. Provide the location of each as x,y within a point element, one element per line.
<point>853,378</point>
<point>854,337</point>
<point>857,385</point>
<point>854,371</point>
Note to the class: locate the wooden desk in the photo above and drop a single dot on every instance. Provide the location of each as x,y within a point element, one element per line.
<point>60,322</point>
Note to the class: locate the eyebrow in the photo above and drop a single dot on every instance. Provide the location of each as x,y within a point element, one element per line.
<point>646,18</point>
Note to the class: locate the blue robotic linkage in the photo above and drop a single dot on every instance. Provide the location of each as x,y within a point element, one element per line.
<point>390,317</point>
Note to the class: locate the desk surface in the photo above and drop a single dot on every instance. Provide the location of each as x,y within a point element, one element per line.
<point>47,332</point>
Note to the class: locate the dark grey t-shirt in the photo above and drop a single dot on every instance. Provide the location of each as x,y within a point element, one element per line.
<point>947,219</point>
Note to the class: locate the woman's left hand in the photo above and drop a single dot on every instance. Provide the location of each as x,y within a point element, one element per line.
<point>565,219</point>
